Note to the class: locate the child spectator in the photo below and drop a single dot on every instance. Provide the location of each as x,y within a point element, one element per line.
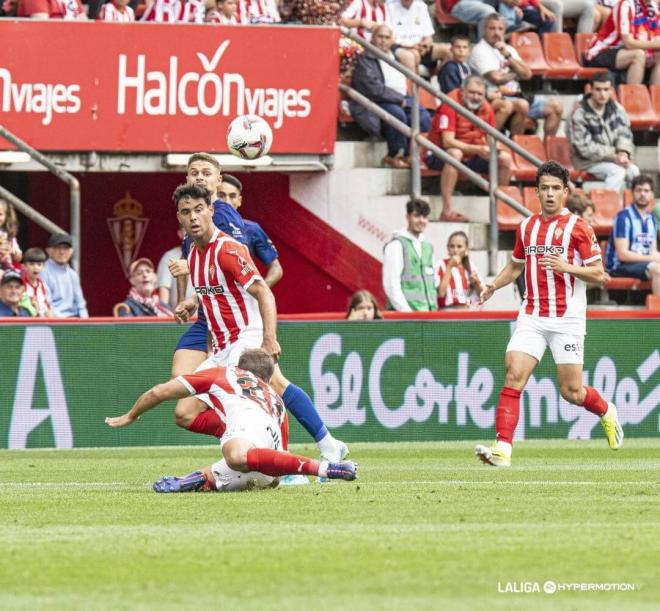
<point>460,284</point>
<point>35,299</point>
<point>363,306</point>
<point>225,13</point>
<point>61,279</point>
<point>10,251</point>
<point>117,11</point>
<point>581,205</point>
<point>455,71</point>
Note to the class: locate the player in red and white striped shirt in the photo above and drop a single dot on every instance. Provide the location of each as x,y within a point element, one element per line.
<point>629,40</point>
<point>162,11</point>
<point>560,254</point>
<point>239,306</point>
<point>459,284</point>
<point>117,11</point>
<point>365,15</point>
<point>258,11</point>
<point>255,430</point>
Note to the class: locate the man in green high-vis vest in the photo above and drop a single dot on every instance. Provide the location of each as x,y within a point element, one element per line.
<point>408,277</point>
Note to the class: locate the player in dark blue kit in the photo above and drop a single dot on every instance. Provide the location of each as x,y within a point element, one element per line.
<point>191,351</point>
<point>260,245</point>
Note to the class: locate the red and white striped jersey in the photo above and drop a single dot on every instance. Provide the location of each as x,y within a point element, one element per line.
<point>627,17</point>
<point>550,294</point>
<point>111,12</point>
<point>459,290</point>
<point>231,388</point>
<point>193,11</point>
<point>375,11</point>
<point>258,11</point>
<point>221,275</point>
<point>38,296</point>
<point>162,11</point>
<point>215,16</point>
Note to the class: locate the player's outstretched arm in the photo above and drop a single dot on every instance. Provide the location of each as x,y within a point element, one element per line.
<point>153,397</point>
<point>266,300</point>
<point>509,273</point>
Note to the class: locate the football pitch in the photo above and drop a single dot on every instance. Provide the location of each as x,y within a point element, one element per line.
<point>425,527</point>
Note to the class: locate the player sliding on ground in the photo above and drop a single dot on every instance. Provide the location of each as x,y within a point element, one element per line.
<point>255,429</point>
<point>560,254</point>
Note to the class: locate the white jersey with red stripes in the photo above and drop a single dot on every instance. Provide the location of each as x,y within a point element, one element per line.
<point>38,295</point>
<point>111,12</point>
<point>258,11</point>
<point>193,11</point>
<point>163,11</point>
<point>459,289</point>
<point>550,294</point>
<point>221,275</point>
<point>216,16</point>
<point>225,385</point>
<point>372,11</point>
<point>628,17</point>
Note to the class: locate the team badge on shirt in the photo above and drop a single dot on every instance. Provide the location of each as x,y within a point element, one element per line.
<point>558,232</point>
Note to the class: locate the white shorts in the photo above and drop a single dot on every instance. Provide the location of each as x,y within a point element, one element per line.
<point>252,424</point>
<point>534,334</point>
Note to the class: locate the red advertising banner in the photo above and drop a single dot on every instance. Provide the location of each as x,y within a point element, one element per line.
<point>76,86</point>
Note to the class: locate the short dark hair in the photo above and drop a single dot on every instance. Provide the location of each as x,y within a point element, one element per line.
<point>192,192</point>
<point>493,17</point>
<point>578,203</point>
<point>259,363</point>
<point>601,77</point>
<point>642,179</point>
<point>34,255</point>
<point>232,180</point>
<point>457,37</point>
<point>204,157</point>
<point>552,168</point>
<point>418,206</point>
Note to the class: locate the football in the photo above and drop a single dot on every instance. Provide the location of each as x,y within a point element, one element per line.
<point>249,137</point>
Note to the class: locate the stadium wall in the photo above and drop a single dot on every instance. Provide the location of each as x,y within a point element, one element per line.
<point>394,380</point>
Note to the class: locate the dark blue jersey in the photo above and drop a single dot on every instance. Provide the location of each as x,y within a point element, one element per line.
<point>260,245</point>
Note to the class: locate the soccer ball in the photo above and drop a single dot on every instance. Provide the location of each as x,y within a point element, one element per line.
<point>249,137</point>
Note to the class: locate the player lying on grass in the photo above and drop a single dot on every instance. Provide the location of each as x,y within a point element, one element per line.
<point>255,428</point>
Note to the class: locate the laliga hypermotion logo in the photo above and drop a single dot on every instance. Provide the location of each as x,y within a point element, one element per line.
<point>127,229</point>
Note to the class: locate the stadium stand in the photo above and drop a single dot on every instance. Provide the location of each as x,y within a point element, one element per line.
<point>557,148</point>
<point>507,218</point>
<point>530,49</point>
<point>637,102</point>
<point>523,170</point>
<point>531,200</point>
<point>606,204</point>
<point>560,56</point>
<point>442,16</point>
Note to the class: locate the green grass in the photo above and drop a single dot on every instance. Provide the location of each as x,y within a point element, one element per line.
<point>425,527</point>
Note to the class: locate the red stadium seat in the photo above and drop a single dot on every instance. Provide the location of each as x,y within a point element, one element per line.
<point>607,205</point>
<point>627,284</point>
<point>627,197</point>
<point>557,149</point>
<point>528,45</point>
<point>522,169</point>
<point>560,56</point>
<point>442,15</point>
<point>427,100</point>
<point>507,218</point>
<point>655,100</point>
<point>637,102</point>
<point>582,44</point>
<point>532,202</point>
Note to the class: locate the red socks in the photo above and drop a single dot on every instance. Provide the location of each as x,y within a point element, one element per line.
<point>594,402</point>
<point>508,411</point>
<point>274,463</point>
<point>208,423</point>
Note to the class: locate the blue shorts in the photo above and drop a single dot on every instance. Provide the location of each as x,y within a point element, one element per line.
<point>194,338</point>
<point>536,105</point>
<point>476,164</point>
<point>631,270</point>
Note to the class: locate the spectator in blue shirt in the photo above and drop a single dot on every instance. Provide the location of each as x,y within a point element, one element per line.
<point>62,280</point>
<point>454,72</point>
<point>632,250</point>
<point>260,245</point>
<point>11,291</point>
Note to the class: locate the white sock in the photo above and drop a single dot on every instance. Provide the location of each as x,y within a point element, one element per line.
<point>323,468</point>
<point>327,444</point>
<point>505,447</point>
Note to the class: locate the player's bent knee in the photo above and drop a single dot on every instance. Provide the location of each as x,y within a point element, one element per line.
<point>236,457</point>
<point>570,393</point>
